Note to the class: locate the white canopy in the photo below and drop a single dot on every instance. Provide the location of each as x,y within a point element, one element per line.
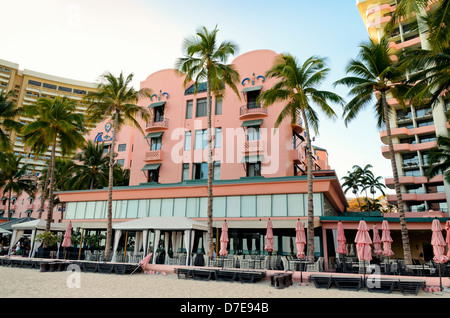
<point>160,224</point>
<point>173,223</point>
<point>40,225</point>
<point>37,227</point>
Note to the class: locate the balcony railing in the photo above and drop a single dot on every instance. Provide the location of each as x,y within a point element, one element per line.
<point>159,123</point>
<point>253,146</point>
<point>153,155</point>
<point>252,109</point>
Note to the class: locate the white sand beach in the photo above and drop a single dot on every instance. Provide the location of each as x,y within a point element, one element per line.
<point>31,283</point>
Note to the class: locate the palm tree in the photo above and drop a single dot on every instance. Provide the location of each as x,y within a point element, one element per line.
<point>206,61</point>
<point>92,169</point>
<point>439,159</point>
<point>296,87</point>
<point>374,72</point>
<point>14,178</point>
<point>435,22</point>
<point>373,184</point>
<point>430,74</point>
<point>117,100</point>
<point>351,181</point>
<point>364,174</point>
<point>8,112</point>
<point>56,125</point>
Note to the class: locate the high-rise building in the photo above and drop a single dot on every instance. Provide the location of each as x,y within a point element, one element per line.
<point>414,130</point>
<point>29,86</point>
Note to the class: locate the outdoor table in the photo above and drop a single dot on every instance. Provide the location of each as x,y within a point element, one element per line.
<point>421,269</point>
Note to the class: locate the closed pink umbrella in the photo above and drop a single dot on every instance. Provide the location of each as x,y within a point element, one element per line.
<point>67,242</point>
<point>341,239</point>
<point>224,239</point>
<point>376,241</point>
<point>143,263</point>
<point>300,239</point>
<point>386,239</point>
<point>438,242</point>
<point>447,239</point>
<point>363,242</point>
<point>269,237</point>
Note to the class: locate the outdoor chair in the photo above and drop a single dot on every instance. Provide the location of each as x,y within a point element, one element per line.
<point>321,281</point>
<point>90,267</point>
<point>105,268</point>
<point>347,283</point>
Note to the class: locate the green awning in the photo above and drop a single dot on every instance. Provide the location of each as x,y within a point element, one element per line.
<point>156,104</point>
<point>251,89</point>
<point>252,159</point>
<point>249,123</point>
<point>28,211</point>
<point>153,166</point>
<point>154,135</point>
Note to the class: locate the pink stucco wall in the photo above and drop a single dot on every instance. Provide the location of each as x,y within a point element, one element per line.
<point>277,149</point>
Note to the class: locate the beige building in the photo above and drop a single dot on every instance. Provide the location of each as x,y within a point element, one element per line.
<point>29,86</point>
<point>414,130</point>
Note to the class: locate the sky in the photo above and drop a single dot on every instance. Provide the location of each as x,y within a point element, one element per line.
<point>82,39</point>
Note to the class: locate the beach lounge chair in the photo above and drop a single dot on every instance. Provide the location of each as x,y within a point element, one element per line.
<point>90,267</point>
<point>410,287</point>
<point>120,269</point>
<point>250,276</point>
<point>105,268</point>
<point>225,275</point>
<point>321,281</point>
<point>381,285</point>
<point>186,272</point>
<point>202,274</point>
<point>347,282</point>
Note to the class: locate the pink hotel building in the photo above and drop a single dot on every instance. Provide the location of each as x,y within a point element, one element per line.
<point>259,172</point>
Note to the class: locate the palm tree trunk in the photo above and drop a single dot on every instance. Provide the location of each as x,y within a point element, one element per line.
<point>404,229</point>
<point>50,189</point>
<point>310,230</point>
<point>210,169</point>
<point>9,204</point>
<point>44,193</point>
<point>110,189</point>
<point>357,200</point>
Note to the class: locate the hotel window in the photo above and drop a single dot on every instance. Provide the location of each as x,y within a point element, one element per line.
<point>106,148</point>
<point>253,133</point>
<point>201,108</point>
<point>201,139</point>
<point>120,162</point>
<point>64,89</point>
<point>216,170</point>
<point>251,100</point>
<point>219,106</point>
<point>412,173</point>
<point>185,172</point>
<point>153,175</point>
<point>158,112</point>
<point>218,138</point>
<point>187,141</point>
<point>427,138</point>
<point>34,83</point>
<point>254,169</point>
<point>406,125</point>
<point>156,143</point>
<point>424,123</point>
<point>122,147</point>
<point>200,171</point>
<point>49,86</point>
<point>189,106</point>
<point>79,91</point>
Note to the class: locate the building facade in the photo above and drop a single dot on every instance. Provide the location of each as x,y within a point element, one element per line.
<point>259,171</point>
<point>414,130</point>
<point>29,86</point>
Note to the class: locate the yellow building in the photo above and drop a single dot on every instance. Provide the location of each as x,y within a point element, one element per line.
<point>414,130</point>
<point>29,86</point>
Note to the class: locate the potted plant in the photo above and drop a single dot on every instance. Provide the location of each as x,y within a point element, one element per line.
<point>48,243</point>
